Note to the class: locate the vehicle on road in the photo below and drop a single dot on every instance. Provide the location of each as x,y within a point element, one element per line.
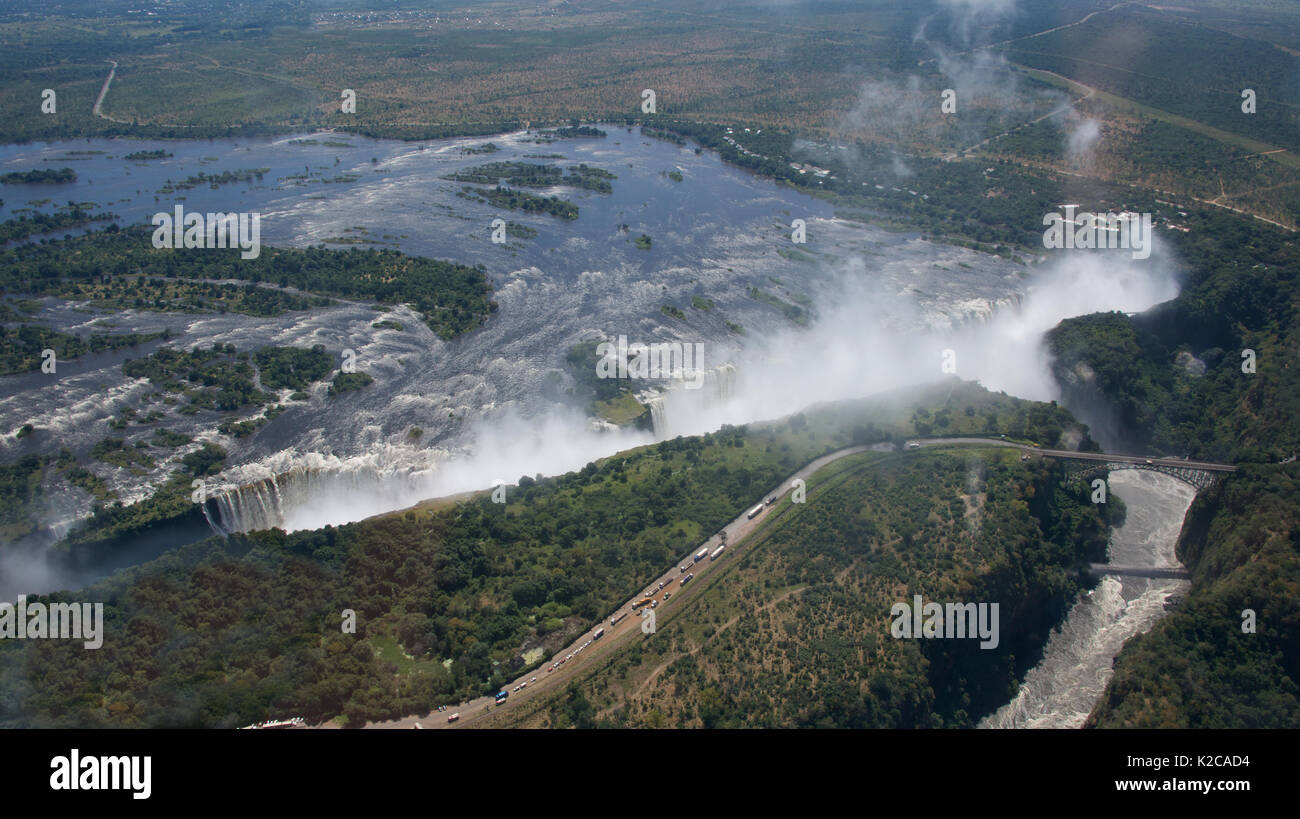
<point>703,553</point>
<point>753,513</point>
<point>654,605</point>
<point>600,632</point>
<point>687,579</point>
<point>1148,460</point>
<point>682,569</point>
<point>532,679</point>
<point>913,445</point>
<point>667,595</point>
<point>453,717</point>
<point>771,500</point>
<point>717,553</point>
<point>616,619</point>
<point>642,602</point>
<point>662,583</point>
<point>502,695</point>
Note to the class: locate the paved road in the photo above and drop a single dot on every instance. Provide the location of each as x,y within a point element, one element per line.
<point>1140,460</point>
<point>580,653</point>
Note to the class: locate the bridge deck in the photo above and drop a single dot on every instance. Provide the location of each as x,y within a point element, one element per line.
<point>1138,571</point>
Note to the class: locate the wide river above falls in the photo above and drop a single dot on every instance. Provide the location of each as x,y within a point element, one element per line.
<point>494,405</point>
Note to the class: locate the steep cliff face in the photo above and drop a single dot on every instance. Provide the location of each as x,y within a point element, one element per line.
<point>1210,374</point>
<point>1229,656</point>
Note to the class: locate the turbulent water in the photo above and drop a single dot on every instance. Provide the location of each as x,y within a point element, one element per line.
<point>716,234</point>
<point>1062,689</point>
<point>494,405</point>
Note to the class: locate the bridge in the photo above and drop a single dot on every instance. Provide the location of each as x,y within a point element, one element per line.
<point>1085,465</point>
<point>1138,571</point>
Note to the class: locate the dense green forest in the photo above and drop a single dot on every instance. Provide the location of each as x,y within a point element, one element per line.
<point>214,180</point>
<point>70,216</point>
<point>530,175</point>
<point>38,177</point>
<point>140,156</point>
<point>797,634</point>
<point>452,298</point>
<point>21,347</point>
<point>576,131</point>
<point>227,632</point>
<point>1199,667</point>
<point>1194,71</point>
<point>956,201</point>
<point>500,197</point>
<point>1175,377</point>
<point>221,378</point>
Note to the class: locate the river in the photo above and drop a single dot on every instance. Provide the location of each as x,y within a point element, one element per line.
<point>493,405</point>
<point>1061,691</point>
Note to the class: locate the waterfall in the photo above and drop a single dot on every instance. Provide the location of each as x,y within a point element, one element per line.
<point>292,491</point>
<point>717,387</point>
<point>658,417</point>
<point>297,491</point>
<point>720,382</point>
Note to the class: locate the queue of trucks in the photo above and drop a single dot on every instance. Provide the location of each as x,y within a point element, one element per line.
<point>646,600</point>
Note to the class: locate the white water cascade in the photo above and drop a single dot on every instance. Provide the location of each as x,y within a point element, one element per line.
<point>717,387</point>
<point>291,490</point>
<point>1062,689</point>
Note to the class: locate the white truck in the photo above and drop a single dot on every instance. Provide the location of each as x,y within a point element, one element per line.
<point>753,513</point>
<point>717,553</point>
<point>703,553</point>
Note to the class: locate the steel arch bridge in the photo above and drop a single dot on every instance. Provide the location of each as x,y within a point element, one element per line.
<point>1199,479</point>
